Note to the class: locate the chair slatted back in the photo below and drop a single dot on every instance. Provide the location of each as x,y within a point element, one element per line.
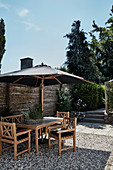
<point>13,119</point>
<point>69,123</point>
<point>7,130</point>
<point>62,114</point>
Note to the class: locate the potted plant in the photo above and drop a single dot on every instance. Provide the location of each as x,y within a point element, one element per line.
<point>35,113</point>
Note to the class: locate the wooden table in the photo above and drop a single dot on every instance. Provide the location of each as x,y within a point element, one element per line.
<point>45,122</point>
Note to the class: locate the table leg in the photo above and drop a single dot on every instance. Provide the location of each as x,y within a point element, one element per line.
<point>36,139</point>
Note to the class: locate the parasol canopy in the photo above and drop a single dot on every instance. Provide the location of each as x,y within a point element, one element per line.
<point>41,75</point>
<point>34,76</point>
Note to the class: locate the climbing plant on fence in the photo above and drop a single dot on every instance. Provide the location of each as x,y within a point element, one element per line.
<point>63,103</point>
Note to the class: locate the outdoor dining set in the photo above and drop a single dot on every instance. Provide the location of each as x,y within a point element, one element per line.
<point>14,130</point>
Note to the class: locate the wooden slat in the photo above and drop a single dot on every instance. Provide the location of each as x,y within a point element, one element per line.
<point>23,132</point>
<point>7,141</point>
<point>22,140</point>
<point>8,148</point>
<point>22,152</point>
<point>66,130</point>
<point>68,137</point>
<point>62,114</point>
<point>63,149</point>
<point>54,143</point>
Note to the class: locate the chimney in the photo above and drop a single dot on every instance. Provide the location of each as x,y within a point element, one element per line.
<point>26,63</point>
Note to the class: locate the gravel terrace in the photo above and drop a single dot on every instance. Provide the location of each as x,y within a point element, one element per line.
<point>93,152</point>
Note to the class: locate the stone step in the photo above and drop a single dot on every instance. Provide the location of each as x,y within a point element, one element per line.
<point>95,112</point>
<point>96,116</point>
<point>93,120</point>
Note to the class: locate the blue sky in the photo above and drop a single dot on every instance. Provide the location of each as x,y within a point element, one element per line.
<point>35,28</point>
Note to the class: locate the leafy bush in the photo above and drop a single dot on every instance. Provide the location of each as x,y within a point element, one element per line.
<point>91,94</point>
<point>35,112</point>
<point>101,96</point>
<point>80,105</point>
<point>64,100</point>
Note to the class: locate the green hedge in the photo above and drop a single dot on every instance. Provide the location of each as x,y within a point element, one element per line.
<point>90,95</point>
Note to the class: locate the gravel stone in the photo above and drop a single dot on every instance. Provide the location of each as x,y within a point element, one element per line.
<point>93,152</point>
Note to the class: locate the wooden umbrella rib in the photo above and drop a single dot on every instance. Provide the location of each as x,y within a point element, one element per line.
<point>56,79</point>
<point>36,82</point>
<point>35,76</point>
<point>30,76</point>
<point>50,77</point>
<point>18,79</point>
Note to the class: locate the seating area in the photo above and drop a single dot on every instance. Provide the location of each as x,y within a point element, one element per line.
<point>14,130</point>
<point>93,145</point>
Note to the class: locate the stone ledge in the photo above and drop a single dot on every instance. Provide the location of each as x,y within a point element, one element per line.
<point>108,118</point>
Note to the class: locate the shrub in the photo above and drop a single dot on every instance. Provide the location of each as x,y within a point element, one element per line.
<point>64,100</point>
<point>101,96</point>
<point>91,94</point>
<point>35,112</point>
<point>79,105</point>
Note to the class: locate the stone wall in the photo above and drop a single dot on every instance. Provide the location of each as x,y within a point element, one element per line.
<point>50,99</point>
<point>22,97</point>
<point>109,102</point>
<point>108,118</point>
<point>3,95</point>
<point>19,98</point>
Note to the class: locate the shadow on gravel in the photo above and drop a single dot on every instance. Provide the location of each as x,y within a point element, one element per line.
<point>82,159</point>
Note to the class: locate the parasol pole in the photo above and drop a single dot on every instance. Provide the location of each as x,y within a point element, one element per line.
<point>42,93</point>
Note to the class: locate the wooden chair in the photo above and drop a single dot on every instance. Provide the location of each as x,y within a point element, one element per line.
<point>62,114</point>
<point>9,135</point>
<point>18,118</point>
<point>68,130</point>
<point>13,118</point>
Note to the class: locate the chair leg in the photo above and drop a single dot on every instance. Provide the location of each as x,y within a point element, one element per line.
<point>74,143</point>
<point>0,147</point>
<point>49,142</point>
<point>59,144</point>
<point>63,142</point>
<point>40,132</point>
<point>15,151</point>
<point>29,142</point>
<point>45,132</point>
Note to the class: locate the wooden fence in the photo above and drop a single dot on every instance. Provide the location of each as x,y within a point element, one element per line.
<point>19,98</point>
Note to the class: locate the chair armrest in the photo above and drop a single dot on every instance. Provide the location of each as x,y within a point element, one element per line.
<point>23,132</point>
<point>54,127</point>
<point>66,130</point>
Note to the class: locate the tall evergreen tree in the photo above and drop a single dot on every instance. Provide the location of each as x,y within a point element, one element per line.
<point>80,59</point>
<point>2,40</point>
<point>103,47</point>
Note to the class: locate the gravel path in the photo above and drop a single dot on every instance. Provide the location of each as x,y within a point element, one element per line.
<point>93,152</point>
